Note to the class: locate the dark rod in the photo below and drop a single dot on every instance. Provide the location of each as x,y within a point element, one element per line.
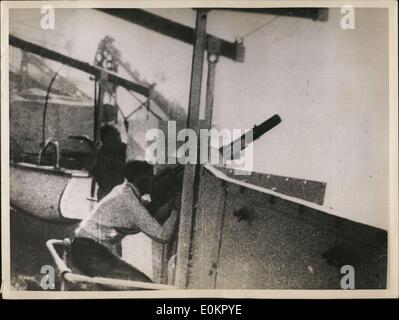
<point>77,64</point>
<point>191,174</point>
<point>45,108</point>
<point>257,131</point>
<point>318,14</point>
<point>95,137</point>
<point>170,28</point>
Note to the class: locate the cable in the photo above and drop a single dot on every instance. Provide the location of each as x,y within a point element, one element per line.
<point>136,97</point>
<point>260,27</point>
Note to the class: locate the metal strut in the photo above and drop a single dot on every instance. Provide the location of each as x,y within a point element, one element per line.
<point>190,178</point>
<point>77,64</point>
<point>95,136</point>
<point>45,107</point>
<point>214,46</point>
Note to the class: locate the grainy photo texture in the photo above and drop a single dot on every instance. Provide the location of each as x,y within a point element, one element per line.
<point>198,148</point>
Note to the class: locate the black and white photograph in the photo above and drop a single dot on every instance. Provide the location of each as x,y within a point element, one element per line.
<point>199,148</point>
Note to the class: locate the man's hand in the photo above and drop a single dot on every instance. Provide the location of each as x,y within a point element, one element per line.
<point>163,212</point>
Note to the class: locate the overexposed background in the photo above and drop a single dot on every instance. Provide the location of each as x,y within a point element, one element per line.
<point>329,86</point>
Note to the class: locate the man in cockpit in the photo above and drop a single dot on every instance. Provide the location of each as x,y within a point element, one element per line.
<point>119,213</point>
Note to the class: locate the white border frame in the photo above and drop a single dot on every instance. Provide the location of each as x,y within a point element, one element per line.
<point>393,269</point>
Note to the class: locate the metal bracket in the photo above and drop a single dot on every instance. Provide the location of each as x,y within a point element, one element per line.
<point>213,46</point>
<point>240,49</point>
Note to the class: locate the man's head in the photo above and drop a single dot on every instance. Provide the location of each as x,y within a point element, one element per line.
<point>110,113</point>
<point>141,174</point>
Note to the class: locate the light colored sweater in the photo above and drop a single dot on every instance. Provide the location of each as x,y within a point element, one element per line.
<point>121,212</point>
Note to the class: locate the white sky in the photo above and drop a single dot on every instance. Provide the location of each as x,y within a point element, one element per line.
<point>329,86</point>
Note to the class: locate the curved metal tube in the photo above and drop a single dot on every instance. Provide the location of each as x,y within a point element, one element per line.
<point>46,104</point>
<point>55,144</point>
<point>67,275</point>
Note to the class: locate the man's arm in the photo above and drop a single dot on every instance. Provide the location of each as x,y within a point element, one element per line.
<point>142,219</point>
<point>151,227</point>
<point>126,212</point>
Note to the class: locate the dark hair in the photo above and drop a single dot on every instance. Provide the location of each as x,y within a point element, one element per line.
<point>110,112</point>
<point>140,173</point>
<point>108,130</point>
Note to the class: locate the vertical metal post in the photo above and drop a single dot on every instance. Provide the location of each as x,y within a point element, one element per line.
<point>187,211</point>
<point>23,71</point>
<point>210,90</point>
<point>210,86</point>
<point>98,118</point>
<point>95,133</point>
<point>65,257</point>
<point>98,111</point>
<point>213,47</point>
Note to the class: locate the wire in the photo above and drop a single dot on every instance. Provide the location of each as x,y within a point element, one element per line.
<point>260,27</point>
<point>135,96</point>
